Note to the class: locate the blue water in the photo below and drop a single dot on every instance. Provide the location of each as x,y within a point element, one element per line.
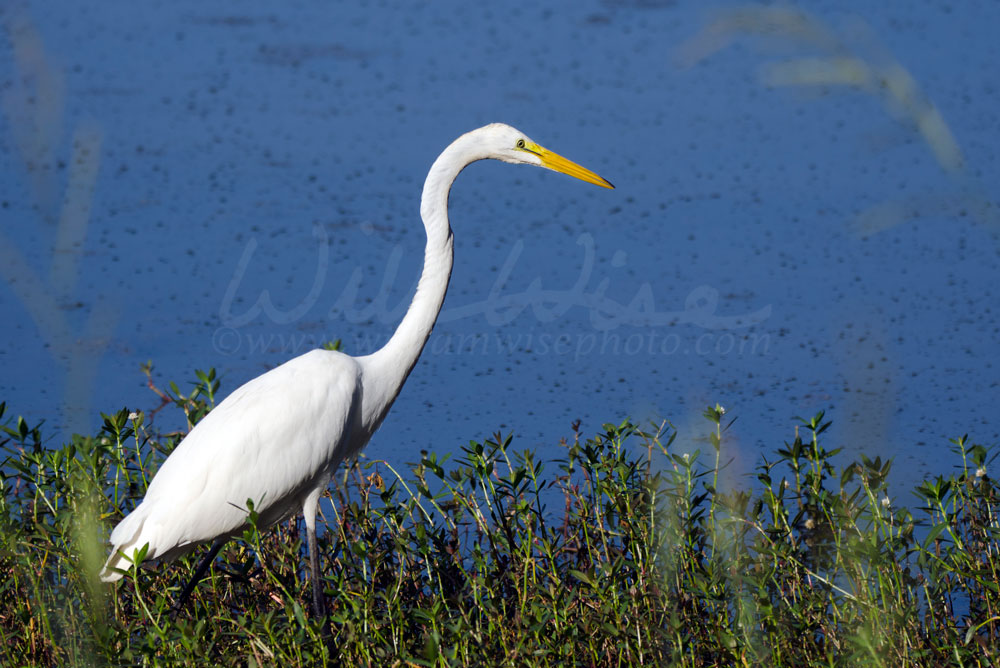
<point>804,217</point>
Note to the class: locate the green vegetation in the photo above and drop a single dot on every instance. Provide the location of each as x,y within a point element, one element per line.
<point>621,553</point>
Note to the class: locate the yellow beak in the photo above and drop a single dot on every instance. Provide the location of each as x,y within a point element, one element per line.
<point>557,163</point>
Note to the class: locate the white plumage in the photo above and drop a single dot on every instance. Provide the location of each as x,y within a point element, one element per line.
<point>278,439</point>
<point>246,449</point>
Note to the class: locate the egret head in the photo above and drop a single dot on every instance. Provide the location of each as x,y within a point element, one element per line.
<point>511,145</point>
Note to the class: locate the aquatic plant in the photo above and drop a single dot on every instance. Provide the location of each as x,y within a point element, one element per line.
<point>623,551</point>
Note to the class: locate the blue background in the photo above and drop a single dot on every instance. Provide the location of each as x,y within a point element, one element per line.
<point>804,217</point>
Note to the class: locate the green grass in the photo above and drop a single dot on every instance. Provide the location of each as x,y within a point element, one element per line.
<point>621,552</point>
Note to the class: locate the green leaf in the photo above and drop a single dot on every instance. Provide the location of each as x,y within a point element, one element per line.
<point>934,533</point>
<point>583,577</point>
<point>299,615</point>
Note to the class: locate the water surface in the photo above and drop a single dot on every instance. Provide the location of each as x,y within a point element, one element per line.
<point>803,219</point>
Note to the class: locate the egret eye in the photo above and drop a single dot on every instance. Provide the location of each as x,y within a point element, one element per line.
<point>520,143</point>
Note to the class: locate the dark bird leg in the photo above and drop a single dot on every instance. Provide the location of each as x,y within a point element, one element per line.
<point>199,573</point>
<point>309,509</point>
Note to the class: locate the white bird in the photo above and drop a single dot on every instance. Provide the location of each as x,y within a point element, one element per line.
<point>278,439</point>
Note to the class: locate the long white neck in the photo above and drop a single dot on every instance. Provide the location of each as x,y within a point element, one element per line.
<point>386,369</point>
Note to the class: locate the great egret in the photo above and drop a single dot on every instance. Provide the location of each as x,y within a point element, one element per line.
<point>278,439</point>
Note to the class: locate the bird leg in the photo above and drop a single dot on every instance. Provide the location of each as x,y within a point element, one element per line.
<point>319,609</point>
<point>198,574</point>
<point>310,506</point>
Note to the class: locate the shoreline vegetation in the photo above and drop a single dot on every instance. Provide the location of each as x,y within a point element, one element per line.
<point>621,552</point>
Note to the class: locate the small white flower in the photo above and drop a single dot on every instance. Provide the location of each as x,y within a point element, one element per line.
<point>687,456</point>
<point>133,416</point>
<point>885,502</point>
<point>788,485</point>
<point>810,523</point>
<point>722,410</point>
<point>981,471</point>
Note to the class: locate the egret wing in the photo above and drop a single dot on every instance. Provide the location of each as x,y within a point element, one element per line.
<point>272,440</point>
